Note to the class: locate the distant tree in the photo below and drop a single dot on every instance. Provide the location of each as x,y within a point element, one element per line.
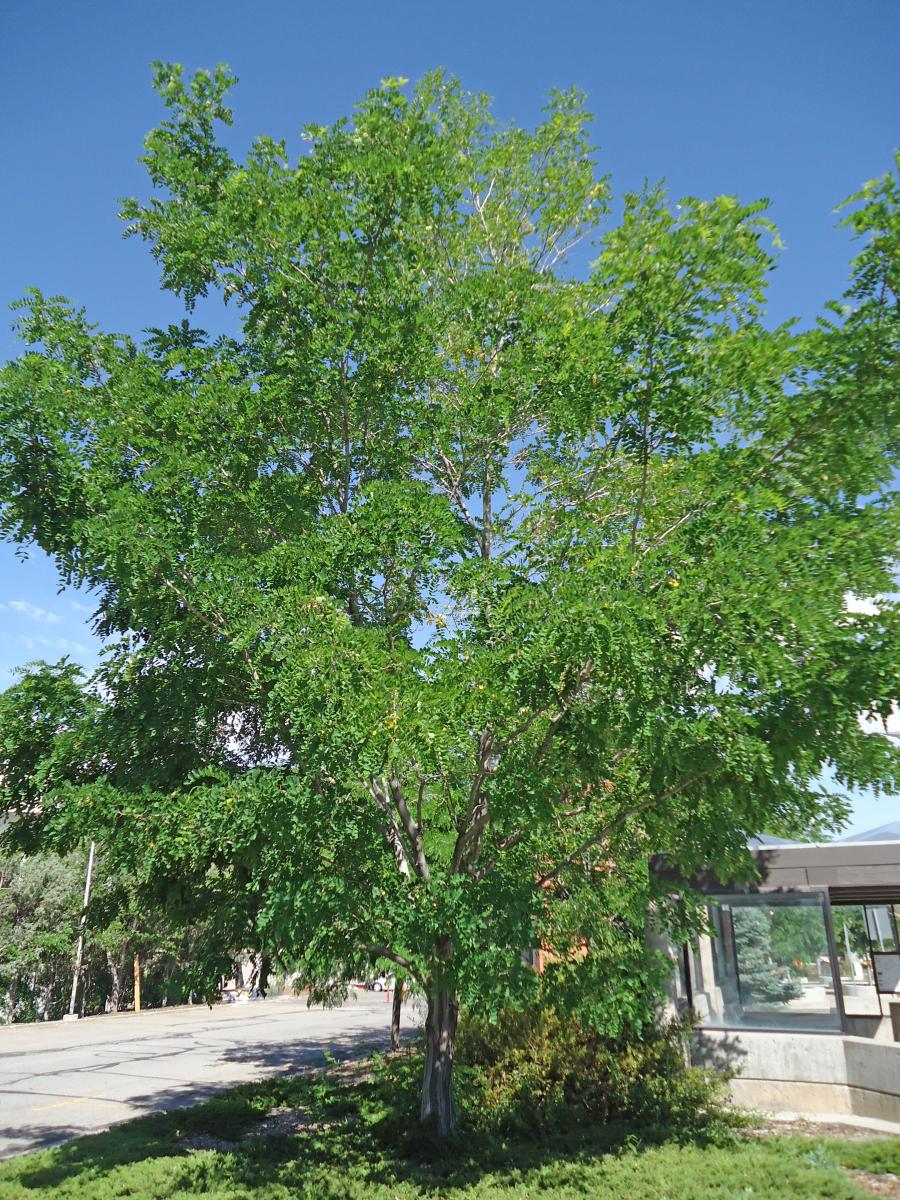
<point>798,933</point>
<point>761,978</point>
<point>850,930</point>
<point>39,910</point>
<point>460,582</point>
<point>47,742</point>
<point>121,924</point>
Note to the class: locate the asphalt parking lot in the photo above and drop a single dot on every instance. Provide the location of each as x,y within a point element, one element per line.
<point>62,1079</point>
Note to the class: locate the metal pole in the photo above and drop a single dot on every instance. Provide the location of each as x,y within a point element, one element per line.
<point>833,956</point>
<point>868,924</point>
<point>79,953</point>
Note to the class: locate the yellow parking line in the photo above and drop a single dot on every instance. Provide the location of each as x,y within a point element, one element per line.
<point>74,1100</point>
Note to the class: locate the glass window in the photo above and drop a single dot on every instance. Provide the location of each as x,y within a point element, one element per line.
<point>768,965</point>
<point>860,930</point>
<point>880,927</point>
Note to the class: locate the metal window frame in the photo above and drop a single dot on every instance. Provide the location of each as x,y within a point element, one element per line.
<point>865,905</point>
<point>832,953</point>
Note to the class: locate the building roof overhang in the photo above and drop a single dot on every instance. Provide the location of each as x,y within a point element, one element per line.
<point>853,872</point>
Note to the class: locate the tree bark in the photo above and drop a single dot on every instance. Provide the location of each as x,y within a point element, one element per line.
<point>396,1007</point>
<point>116,989</point>
<point>437,1081</point>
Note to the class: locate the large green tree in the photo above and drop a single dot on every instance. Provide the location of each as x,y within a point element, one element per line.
<point>462,580</point>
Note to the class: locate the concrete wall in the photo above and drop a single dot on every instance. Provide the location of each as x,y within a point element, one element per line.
<point>874,1028</point>
<point>812,1073</point>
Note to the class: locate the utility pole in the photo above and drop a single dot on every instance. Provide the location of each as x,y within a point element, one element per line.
<point>79,953</point>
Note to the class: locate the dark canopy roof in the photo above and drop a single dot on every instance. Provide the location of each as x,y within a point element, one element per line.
<point>854,872</point>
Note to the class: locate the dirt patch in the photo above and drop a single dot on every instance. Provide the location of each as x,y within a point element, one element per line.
<point>878,1185</point>
<point>284,1122</point>
<point>287,1121</point>
<point>206,1141</point>
<point>279,1122</point>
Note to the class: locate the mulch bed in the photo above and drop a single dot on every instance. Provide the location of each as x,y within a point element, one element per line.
<point>816,1129</point>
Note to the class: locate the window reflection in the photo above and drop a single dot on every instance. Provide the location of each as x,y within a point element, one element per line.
<point>861,930</point>
<point>768,966</point>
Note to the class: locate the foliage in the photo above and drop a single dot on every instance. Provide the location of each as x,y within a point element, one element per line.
<point>797,933</point>
<point>460,582</point>
<point>40,903</point>
<point>850,928</point>
<point>40,909</point>
<point>761,978</point>
<point>40,719</point>
<point>538,1070</point>
<point>350,1149</point>
<point>879,1156</point>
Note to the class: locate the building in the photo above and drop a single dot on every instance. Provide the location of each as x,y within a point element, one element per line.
<point>797,987</point>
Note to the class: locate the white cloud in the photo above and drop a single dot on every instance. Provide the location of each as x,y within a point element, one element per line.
<point>66,645</point>
<point>34,611</point>
<point>86,609</point>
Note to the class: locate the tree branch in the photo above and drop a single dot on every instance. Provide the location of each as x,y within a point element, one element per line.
<point>642,496</point>
<point>468,843</point>
<point>387,952</point>
<point>412,827</point>
<point>568,701</point>
<point>389,828</point>
<point>502,844</point>
<point>755,476</point>
<point>633,811</point>
<point>217,624</point>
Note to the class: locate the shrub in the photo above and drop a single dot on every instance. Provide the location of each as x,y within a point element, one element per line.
<point>537,1070</point>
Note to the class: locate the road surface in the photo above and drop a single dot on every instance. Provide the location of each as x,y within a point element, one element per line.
<point>59,1080</point>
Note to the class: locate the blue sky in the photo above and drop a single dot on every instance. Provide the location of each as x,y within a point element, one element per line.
<point>793,100</point>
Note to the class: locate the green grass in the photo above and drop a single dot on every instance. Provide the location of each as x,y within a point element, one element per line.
<point>881,1156</point>
<point>364,1146</point>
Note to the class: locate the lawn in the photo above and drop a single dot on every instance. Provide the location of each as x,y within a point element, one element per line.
<point>325,1137</point>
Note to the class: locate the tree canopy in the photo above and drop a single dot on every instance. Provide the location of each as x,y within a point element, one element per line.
<point>462,580</point>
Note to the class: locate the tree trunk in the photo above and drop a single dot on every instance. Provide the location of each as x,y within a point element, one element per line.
<point>395,1013</point>
<point>115,981</point>
<point>437,1081</point>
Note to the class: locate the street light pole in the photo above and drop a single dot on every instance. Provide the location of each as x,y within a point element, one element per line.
<point>79,953</point>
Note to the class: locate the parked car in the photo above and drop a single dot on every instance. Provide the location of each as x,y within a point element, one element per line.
<point>380,983</point>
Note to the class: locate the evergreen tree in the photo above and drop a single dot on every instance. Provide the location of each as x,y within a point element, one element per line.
<point>761,978</point>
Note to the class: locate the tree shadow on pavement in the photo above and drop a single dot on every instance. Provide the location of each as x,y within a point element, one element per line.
<point>270,1058</point>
